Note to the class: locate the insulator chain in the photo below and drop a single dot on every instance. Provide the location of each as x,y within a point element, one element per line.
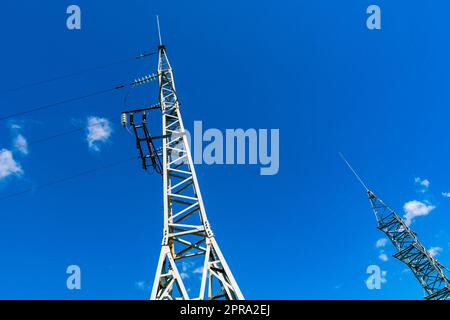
<point>145,79</point>
<point>124,119</point>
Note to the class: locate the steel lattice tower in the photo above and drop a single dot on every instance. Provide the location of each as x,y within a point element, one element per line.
<point>409,249</point>
<point>187,233</point>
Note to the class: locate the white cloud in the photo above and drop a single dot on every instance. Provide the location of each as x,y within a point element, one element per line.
<point>383,276</point>
<point>184,266</point>
<point>8,166</point>
<point>381,243</point>
<point>184,275</point>
<point>198,270</point>
<point>140,285</point>
<point>99,131</point>
<point>188,268</point>
<point>446,194</point>
<point>15,126</point>
<point>383,257</point>
<point>434,251</point>
<point>21,144</point>
<point>415,209</point>
<point>425,183</point>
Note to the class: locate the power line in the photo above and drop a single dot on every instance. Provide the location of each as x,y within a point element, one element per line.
<point>136,82</point>
<point>64,133</point>
<point>70,75</point>
<point>55,104</point>
<point>54,136</point>
<point>71,131</point>
<point>68,178</point>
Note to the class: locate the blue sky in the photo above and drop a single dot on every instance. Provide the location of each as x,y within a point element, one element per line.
<point>310,68</point>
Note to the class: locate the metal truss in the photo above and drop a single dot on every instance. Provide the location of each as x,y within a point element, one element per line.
<point>409,249</point>
<point>187,236</point>
<point>187,233</point>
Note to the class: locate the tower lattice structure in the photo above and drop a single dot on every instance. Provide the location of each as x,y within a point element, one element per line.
<point>428,271</point>
<point>187,234</point>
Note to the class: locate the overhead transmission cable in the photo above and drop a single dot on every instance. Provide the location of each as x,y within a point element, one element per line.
<point>76,73</point>
<point>57,135</point>
<point>68,132</point>
<point>136,82</point>
<point>68,178</point>
<point>62,102</point>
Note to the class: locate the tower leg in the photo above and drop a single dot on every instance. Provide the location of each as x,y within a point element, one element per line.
<point>167,275</point>
<point>216,271</point>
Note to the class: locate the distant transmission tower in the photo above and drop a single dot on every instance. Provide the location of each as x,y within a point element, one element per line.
<point>188,240</point>
<point>409,249</point>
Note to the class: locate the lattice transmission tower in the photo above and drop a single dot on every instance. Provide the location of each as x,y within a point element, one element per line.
<point>188,240</point>
<point>427,270</point>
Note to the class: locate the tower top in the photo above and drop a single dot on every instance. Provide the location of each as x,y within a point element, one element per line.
<point>159,31</point>
<point>354,172</point>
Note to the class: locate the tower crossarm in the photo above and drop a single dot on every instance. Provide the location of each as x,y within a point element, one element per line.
<point>148,153</point>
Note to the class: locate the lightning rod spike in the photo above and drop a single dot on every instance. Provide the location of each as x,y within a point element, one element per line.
<point>354,172</point>
<point>159,30</point>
